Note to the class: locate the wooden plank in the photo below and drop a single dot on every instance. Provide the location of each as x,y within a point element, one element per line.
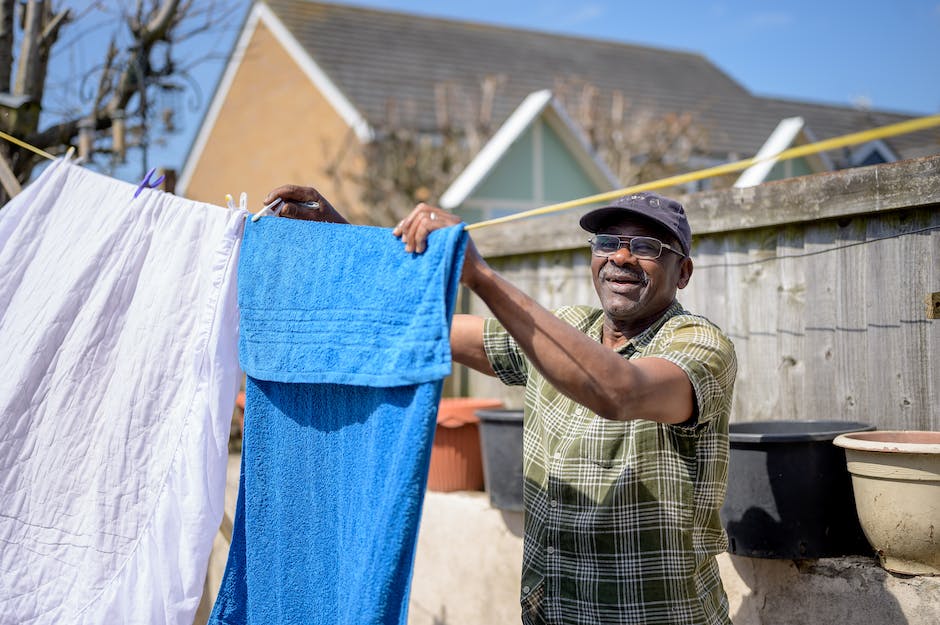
<point>8,178</point>
<point>820,401</point>
<point>850,338</point>
<point>913,346</point>
<point>790,354</point>
<point>830,195</point>
<point>931,349</point>
<point>882,266</point>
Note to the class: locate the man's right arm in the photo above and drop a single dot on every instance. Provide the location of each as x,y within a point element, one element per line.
<point>466,343</point>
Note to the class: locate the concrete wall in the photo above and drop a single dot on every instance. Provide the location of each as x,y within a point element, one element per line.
<point>469,561</point>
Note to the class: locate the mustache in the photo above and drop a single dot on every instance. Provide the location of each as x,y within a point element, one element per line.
<point>609,273</point>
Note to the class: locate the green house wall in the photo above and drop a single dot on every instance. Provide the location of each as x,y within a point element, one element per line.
<point>538,169</point>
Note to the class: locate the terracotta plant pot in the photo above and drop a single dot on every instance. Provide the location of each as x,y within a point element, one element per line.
<point>896,479</point>
<point>456,461</point>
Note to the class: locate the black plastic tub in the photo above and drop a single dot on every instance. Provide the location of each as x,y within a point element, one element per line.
<point>501,440</point>
<point>789,491</point>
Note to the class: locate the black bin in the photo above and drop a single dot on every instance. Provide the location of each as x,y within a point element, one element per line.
<point>789,491</point>
<point>501,441</point>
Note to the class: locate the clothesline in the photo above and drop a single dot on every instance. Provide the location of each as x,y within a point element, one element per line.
<point>864,136</point>
<point>29,147</point>
<point>842,141</point>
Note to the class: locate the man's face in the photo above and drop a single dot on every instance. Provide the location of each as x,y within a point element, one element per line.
<point>633,291</point>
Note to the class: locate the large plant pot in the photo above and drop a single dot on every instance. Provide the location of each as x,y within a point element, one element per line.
<point>501,436</point>
<point>456,462</point>
<point>896,477</point>
<point>789,493</point>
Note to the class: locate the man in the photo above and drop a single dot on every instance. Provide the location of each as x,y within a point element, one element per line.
<point>626,420</point>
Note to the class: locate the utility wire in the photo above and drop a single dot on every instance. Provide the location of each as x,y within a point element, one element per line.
<point>816,252</point>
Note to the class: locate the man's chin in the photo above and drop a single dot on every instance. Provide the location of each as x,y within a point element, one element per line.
<point>620,307</point>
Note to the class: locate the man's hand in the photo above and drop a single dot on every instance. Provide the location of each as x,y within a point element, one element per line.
<point>415,228</point>
<point>293,196</point>
<point>424,219</point>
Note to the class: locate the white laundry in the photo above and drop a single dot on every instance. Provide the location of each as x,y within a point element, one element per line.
<point>118,376</point>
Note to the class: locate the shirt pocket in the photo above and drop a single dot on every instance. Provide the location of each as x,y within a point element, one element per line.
<point>532,609</point>
<point>606,443</point>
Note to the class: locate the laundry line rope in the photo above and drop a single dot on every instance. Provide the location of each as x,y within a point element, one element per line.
<point>29,147</point>
<point>911,125</point>
<point>882,132</point>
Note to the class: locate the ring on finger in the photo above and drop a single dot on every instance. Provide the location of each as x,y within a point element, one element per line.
<point>432,216</point>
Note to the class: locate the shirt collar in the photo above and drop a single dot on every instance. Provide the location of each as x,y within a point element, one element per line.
<point>642,339</point>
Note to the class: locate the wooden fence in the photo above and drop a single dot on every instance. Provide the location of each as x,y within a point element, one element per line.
<point>823,282</point>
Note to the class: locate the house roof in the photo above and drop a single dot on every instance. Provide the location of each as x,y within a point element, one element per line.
<point>384,60</point>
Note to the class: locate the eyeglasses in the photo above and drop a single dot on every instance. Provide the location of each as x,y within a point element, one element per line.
<point>606,245</point>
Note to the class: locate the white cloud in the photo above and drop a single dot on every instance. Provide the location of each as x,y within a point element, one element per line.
<point>775,19</point>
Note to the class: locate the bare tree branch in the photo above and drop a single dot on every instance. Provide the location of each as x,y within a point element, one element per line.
<point>137,73</point>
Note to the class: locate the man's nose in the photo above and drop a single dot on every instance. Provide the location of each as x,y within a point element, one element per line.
<point>623,256</point>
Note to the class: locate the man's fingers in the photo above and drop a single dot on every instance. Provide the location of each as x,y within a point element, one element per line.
<point>293,192</point>
<point>420,222</point>
<point>294,210</point>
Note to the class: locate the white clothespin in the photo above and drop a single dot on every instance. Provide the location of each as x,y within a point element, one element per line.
<point>269,210</point>
<point>274,208</point>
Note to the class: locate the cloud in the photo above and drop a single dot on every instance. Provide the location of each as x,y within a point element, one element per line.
<point>768,20</point>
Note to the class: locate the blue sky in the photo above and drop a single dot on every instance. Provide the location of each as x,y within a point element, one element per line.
<point>884,54</point>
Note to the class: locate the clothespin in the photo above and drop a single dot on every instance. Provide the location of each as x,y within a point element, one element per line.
<point>230,201</point>
<point>148,183</point>
<point>279,203</point>
<point>269,210</point>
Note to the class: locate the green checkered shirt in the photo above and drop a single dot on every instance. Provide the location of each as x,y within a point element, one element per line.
<point>621,522</point>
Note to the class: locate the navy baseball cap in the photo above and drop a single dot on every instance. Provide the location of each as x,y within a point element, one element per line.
<point>648,206</point>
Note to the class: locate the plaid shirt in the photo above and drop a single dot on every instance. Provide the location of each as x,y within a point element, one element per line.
<point>621,521</point>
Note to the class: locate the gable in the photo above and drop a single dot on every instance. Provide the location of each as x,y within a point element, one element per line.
<point>790,132</point>
<point>537,169</point>
<point>269,81</point>
<point>270,123</point>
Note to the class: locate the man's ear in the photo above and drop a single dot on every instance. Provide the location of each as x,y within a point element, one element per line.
<point>685,272</point>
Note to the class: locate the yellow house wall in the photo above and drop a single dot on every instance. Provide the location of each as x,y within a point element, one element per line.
<point>275,128</point>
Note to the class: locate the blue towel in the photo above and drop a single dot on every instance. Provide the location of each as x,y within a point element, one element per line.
<point>345,340</point>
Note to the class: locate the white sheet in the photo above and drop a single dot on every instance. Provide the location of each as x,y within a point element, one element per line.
<point>118,375</point>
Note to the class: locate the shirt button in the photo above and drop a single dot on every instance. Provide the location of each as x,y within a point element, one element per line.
<point>525,590</point>
<point>550,550</point>
<point>553,503</point>
<point>557,455</point>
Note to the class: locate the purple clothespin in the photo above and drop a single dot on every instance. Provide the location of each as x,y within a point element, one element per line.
<point>146,182</point>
